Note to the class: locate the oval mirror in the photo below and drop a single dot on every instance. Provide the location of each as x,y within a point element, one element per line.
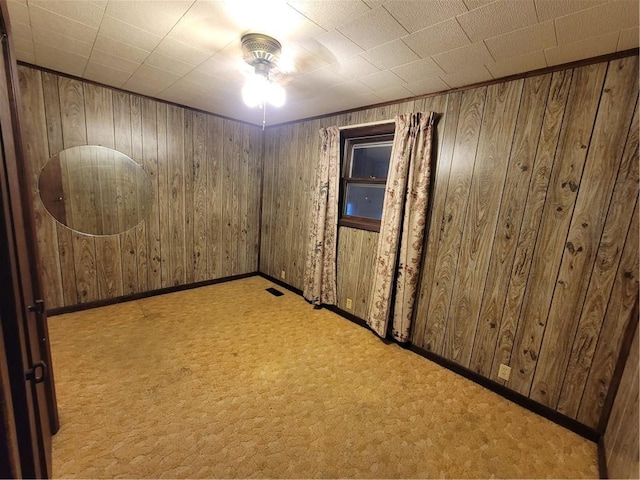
<point>95,190</point>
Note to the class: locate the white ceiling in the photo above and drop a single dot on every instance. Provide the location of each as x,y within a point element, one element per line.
<point>347,53</point>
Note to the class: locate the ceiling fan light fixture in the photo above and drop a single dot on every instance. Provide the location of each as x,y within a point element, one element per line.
<point>261,52</point>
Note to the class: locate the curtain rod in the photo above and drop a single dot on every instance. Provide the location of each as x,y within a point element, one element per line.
<point>369,124</point>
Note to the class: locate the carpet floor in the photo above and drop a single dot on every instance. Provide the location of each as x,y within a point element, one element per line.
<point>231,381</point>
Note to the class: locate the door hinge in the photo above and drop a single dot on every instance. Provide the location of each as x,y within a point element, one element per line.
<point>38,307</point>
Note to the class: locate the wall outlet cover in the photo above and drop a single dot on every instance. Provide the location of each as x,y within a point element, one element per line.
<point>282,275</point>
<point>349,304</point>
<point>504,372</point>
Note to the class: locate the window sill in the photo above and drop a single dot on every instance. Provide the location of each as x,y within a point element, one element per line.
<point>360,223</point>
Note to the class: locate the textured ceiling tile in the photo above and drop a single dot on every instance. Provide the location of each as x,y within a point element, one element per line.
<point>437,38</point>
<point>466,77</point>
<point>390,55</point>
<point>83,12</point>
<point>524,63</point>
<point>381,80</point>
<point>219,70</point>
<point>415,15</point>
<point>113,28</point>
<point>330,13</point>
<point>186,87</point>
<point>497,18</point>
<point>414,71</point>
<point>338,45</point>
<point>473,4</point>
<point>18,12</point>
<point>41,18</point>
<point>100,3</point>
<point>107,75</point>
<point>124,50</point>
<point>168,64</point>
<point>373,28</point>
<point>21,31</point>
<point>462,58</point>
<point>62,42</point>
<point>27,56</point>
<point>207,26</point>
<point>59,60</point>
<point>153,16</point>
<point>591,47</point>
<point>181,51</point>
<point>112,61</point>
<point>519,42</point>
<point>351,88</point>
<point>426,85</point>
<point>23,44</point>
<point>393,93</point>
<point>550,9</point>
<point>628,39</point>
<point>597,21</point>
<point>374,3</point>
<point>353,67</point>
<point>149,80</point>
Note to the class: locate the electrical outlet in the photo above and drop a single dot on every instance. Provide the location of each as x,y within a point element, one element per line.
<point>282,275</point>
<point>349,304</point>
<point>504,372</point>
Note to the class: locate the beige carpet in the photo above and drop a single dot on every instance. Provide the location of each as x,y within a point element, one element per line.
<point>230,381</point>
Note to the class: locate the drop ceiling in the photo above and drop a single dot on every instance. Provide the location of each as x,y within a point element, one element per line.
<point>344,53</point>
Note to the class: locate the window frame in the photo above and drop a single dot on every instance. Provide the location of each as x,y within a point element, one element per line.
<point>354,136</point>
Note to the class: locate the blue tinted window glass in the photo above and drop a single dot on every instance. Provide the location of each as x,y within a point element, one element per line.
<point>364,200</point>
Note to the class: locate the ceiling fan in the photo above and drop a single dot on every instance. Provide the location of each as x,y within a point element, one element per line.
<point>262,53</point>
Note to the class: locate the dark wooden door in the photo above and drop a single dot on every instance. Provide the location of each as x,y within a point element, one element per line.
<point>22,316</point>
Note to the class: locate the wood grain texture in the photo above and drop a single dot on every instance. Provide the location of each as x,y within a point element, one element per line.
<point>620,215</point>
<point>528,234</point>
<point>521,161</point>
<point>495,221</point>
<point>59,113</point>
<point>496,137</point>
<point>621,440</point>
<point>452,222</point>
<point>561,195</point>
<point>607,143</point>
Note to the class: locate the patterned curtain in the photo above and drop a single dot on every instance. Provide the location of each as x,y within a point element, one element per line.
<point>320,268</point>
<point>402,226</point>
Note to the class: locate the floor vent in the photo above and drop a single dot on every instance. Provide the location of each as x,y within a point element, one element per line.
<point>275,292</point>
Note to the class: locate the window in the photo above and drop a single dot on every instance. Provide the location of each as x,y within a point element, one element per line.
<point>366,153</point>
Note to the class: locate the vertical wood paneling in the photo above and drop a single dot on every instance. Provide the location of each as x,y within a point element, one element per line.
<point>215,146</point>
<point>175,242</point>
<point>100,131</point>
<point>509,171</point>
<point>523,152</point>
<point>621,442</point>
<point>200,186</point>
<point>175,147</point>
<point>549,136</point>
<point>617,317</point>
<point>462,164</point>
<point>565,180</point>
<point>616,226</point>
<point>38,151</point>
<point>123,143</point>
<point>610,130</point>
<point>498,124</point>
<point>164,202</point>
<point>446,129</point>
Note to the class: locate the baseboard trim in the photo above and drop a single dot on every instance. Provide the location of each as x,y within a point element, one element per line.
<point>137,296</point>
<point>603,471</point>
<point>535,407</point>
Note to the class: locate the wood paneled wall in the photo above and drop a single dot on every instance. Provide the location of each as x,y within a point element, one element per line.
<point>205,173</point>
<point>532,248</point>
<point>621,442</point>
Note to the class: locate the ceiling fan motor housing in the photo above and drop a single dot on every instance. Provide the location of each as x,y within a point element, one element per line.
<point>260,51</point>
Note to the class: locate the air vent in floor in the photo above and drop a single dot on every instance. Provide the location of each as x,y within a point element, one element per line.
<point>275,292</point>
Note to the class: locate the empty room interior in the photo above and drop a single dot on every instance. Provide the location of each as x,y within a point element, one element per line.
<point>319,239</point>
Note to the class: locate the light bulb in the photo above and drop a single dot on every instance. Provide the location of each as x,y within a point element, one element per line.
<point>275,94</point>
<point>254,91</point>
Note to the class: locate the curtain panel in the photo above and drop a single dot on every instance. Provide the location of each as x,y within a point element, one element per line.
<point>320,267</point>
<point>402,227</point>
